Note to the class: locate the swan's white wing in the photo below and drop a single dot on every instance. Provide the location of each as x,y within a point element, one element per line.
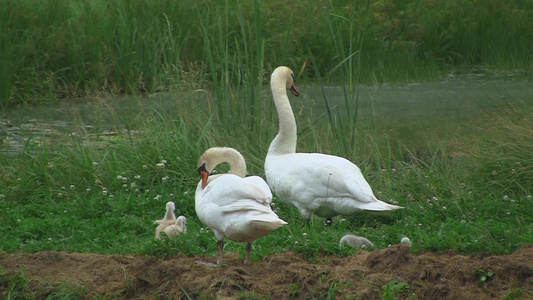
<point>237,207</point>
<point>321,183</point>
<point>321,175</point>
<point>229,187</point>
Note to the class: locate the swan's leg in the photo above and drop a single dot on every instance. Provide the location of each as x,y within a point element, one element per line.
<point>248,248</point>
<point>220,248</point>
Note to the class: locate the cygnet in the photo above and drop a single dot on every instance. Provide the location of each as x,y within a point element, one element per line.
<point>169,219</point>
<point>406,241</point>
<point>177,228</point>
<point>355,241</point>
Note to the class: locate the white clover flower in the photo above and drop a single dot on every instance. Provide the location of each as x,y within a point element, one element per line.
<point>49,239</point>
<point>119,177</point>
<point>163,161</point>
<point>505,197</point>
<point>393,170</point>
<point>144,167</point>
<point>528,197</point>
<point>165,179</point>
<point>494,173</point>
<point>124,179</point>
<point>95,163</point>
<point>444,207</point>
<point>158,197</point>
<point>124,185</point>
<point>171,194</point>
<point>137,177</point>
<point>435,198</point>
<point>72,187</point>
<point>111,196</point>
<point>304,234</point>
<point>160,165</point>
<point>133,185</point>
<point>88,190</point>
<point>104,192</point>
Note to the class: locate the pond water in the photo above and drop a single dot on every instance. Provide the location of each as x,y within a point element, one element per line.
<point>450,99</point>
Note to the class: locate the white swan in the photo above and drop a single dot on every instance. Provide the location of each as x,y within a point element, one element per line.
<point>168,220</point>
<point>232,205</point>
<point>320,184</point>
<point>178,227</point>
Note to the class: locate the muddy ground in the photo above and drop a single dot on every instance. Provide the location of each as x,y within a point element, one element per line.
<point>428,275</point>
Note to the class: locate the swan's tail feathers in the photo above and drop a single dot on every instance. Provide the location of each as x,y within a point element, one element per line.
<point>269,224</point>
<point>380,207</point>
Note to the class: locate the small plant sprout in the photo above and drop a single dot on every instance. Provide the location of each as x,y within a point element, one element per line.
<point>406,241</point>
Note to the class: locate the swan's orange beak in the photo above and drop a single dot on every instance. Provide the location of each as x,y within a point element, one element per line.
<point>294,91</point>
<point>203,174</point>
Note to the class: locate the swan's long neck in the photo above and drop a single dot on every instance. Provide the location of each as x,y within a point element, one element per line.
<point>218,155</point>
<point>285,140</point>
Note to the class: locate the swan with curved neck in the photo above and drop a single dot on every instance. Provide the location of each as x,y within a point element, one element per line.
<point>232,205</point>
<point>320,184</point>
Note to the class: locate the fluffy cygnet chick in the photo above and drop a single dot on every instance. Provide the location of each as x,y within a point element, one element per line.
<point>177,228</point>
<point>169,219</point>
<point>406,241</point>
<point>355,241</point>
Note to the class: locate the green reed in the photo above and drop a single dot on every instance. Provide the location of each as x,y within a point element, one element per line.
<point>62,50</point>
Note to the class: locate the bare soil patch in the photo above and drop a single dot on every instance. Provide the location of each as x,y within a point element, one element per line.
<point>428,275</point>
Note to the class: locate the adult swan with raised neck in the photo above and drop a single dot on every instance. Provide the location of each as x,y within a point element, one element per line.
<point>315,183</point>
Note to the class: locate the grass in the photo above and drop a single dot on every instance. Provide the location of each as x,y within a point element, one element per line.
<point>92,192</point>
<point>466,183</point>
<point>53,50</point>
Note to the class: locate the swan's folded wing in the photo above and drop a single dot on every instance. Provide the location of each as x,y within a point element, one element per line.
<point>332,176</point>
<point>230,188</point>
<point>246,205</point>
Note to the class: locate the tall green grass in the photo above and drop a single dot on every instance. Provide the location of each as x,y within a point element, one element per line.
<point>64,49</point>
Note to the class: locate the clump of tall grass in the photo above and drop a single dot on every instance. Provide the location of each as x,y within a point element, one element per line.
<point>61,50</point>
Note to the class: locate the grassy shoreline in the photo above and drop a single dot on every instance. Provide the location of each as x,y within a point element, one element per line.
<point>63,49</point>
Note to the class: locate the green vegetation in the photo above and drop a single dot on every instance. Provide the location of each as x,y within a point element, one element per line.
<point>467,190</point>
<point>64,49</point>
<point>466,184</point>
